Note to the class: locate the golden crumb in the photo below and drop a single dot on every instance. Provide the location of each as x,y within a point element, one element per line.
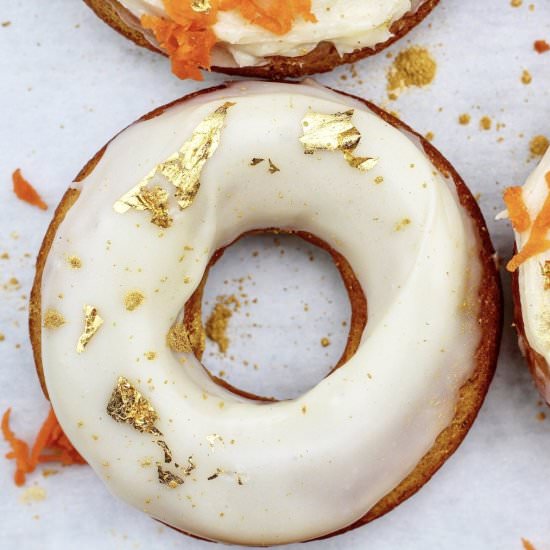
<point>412,67</point>
<point>2,337</point>
<point>133,299</point>
<point>516,3</point>
<point>541,416</point>
<point>539,145</point>
<point>485,123</point>
<point>178,339</point>
<point>325,342</point>
<point>75,262</point>
<point>150,355</point>
<point>464,119</point>
<point>526,77</point>
<point>53,319</point>
<point>399,226</point>
<point>216,326</point>
<point>429,136</point>
<point>49,472</point>
<point>5,256</point>
<point>304,409</point>
<point>33,494</point>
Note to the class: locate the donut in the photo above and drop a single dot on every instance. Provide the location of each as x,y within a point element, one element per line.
<point>121,270</point>
<point>279,40</point>
<point>528,208</point>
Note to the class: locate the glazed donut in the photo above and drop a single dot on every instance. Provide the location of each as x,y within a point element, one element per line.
<point>287,39</point>
<point>129,246</point>
<point>529,212</point>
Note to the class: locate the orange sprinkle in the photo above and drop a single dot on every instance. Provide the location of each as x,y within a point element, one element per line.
<point>537,242</point>
<point>188,37</point>
<point>517,211</point>
<point>541,46</point>
<point>25,191</point>
<point>527,545</point>
<point>50,437</point>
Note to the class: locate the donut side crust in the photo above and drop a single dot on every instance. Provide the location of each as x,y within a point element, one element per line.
<point>322,59</point>
<point>471,394</point>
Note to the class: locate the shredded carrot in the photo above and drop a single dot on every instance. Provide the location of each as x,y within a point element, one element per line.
<point>517,211</point>
<point>541,46</point>
<point>25,191</point>
<point>527,545</point>
<point>188,37</point>
<point>538,241</point>
<point>50,438</point>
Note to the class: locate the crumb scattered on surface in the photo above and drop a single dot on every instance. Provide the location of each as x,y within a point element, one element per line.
<point>400,225</point>
<point>541,416</point>
<point>485,123</point>
<point>2,337</point>
<point>49,472</point>
<point>526,77</point>
<point>133,299</point>
<point>75,262</point>
<point>541,46</point>
<point>53,319</point>
<point>33,494</point>
<point>539,145</point>
<point>6,23</point>
<point>429,136</point>
<point>218,321</point>
<point>150,355</point>
<point>464,119</point>
<point>325,342</point>
<point>516,3</point>
<point>412,67</point>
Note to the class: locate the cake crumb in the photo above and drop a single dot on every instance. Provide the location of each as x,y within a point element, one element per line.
<point>526,77</point>
<point>412,67</point>
<point>325,342</point>
<point>53,319</point>
<point>516,3</point>
<point>464,119</point>
<point>218,321</point>
<point>430,136</point>
<point>2,337</point>
<point>399,226</point>
<point>33,494</point>
<point>133,299</point>
<point>541,416</point>
<point>538,145</point>
<point>485,123</point>
<point>75,262</point>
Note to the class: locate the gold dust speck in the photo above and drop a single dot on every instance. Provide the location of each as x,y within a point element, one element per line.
<point>150,355</point>
<point>400,225</point>
<point>325,342</point>
<point>92,323</point>
<point>133,299</point>
<point>183,168</point>
<point>129,406</point>
<point>334,132</point>
<point>74,262</point>
<point>53,319</point>
<point>378,180</point>
<point>178,339</point>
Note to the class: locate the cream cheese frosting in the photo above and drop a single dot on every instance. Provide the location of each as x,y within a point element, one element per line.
<point>348,24</point>
<point>534,297</point>
<point>263,473</point>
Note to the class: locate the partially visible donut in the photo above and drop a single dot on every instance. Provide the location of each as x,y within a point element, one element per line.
<point>345,32</point>
<point>205,459</point>
<point>529,212</point>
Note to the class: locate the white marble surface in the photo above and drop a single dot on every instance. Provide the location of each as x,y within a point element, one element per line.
<point>69,83</point>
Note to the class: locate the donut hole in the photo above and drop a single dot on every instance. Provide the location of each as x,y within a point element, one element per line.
<point>277,315</point>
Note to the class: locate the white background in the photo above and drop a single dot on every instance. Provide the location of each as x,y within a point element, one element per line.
<point>68,83</point>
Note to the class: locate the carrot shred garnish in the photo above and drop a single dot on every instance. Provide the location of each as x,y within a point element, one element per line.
<point>25,191</point>
<point>541,46</point>
<point>50,438</point>
<point>517,211</point>
<point>538,241</point>
<point>188,37</point>
<point>527,545</point>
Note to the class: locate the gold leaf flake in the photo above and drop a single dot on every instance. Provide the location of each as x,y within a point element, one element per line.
<point>201,6</point>
<point>256,161</point>
<point>400,225</point>
<point>272,167</point>
<point>168,478</point>
<point>213,439</point>
<point>190,466</point>
<point>178,339</point>
<point>53,319</point>
<point>141,198</point>
<point>334,132</point>
<point>92,322</point>
<point>128,405</point>
<point>133,299</point>
<point>183,168</point>
<point>545,270</point>
<point>167,452</point>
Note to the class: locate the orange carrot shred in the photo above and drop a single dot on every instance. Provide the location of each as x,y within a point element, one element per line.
<point>25,191</point>
<point>538,241</point>
<point>188,37</point>
<point>517,211</point>
<point>527,545</point>
<point>541,46</point>
<point>50,438</point>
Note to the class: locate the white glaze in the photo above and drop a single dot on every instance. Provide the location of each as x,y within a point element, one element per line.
<point>369,423</point>
<point>348,24</point>
<point>535,301</point>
